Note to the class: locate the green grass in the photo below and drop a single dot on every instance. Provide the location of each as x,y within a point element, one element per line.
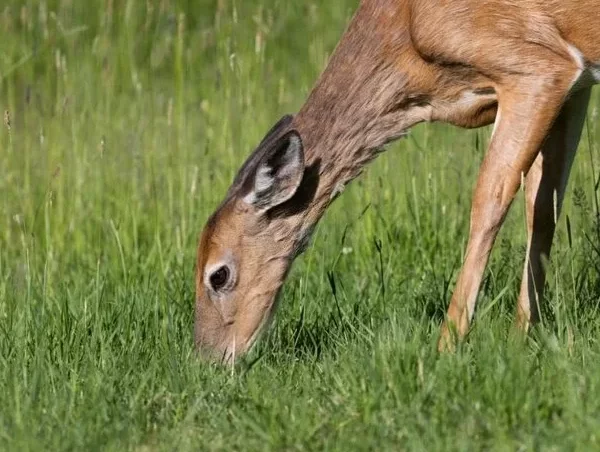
<point>127,123</point>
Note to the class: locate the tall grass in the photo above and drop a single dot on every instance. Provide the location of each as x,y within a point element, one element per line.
<point>124,123</point>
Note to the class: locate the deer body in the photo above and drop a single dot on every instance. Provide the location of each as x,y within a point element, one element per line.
<point>525,65</point>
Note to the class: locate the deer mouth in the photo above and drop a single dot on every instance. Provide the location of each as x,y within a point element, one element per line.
<point>236,349</point>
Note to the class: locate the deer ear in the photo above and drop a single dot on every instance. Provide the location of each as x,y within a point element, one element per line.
<point>278,174</point>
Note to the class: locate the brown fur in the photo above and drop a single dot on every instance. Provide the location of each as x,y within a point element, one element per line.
<point>401,62</point>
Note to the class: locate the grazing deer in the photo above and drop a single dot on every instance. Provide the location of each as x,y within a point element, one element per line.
<point>526,65</point>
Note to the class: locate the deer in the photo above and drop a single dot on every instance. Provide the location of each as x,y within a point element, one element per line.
<point>526,66</point>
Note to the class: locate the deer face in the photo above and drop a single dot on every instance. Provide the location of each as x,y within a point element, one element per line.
<point>247,247</point>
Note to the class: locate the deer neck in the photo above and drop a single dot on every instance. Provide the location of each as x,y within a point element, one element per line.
<point>360,103</point>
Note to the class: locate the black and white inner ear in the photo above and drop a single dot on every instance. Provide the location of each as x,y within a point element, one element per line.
<point>278,174</point>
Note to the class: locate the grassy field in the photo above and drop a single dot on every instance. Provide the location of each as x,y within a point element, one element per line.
<point>126,122</point>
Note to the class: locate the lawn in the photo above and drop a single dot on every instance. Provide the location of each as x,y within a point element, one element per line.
<point>125,122</point>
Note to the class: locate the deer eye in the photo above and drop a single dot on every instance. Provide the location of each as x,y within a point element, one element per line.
<point>219,278</point>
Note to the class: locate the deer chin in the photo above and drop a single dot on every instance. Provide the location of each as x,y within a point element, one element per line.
<point>263,326</point>
<point>237,347</point>
<point>235,350</point>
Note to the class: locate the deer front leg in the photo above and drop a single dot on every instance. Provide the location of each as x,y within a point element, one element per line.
<point>544,191</point>
<point>525,115</point>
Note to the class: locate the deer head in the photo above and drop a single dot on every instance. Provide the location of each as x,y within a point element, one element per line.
<point>245,250</point>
